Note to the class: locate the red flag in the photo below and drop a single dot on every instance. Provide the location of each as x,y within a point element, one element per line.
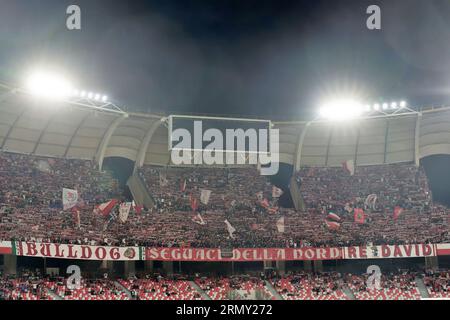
<point>194,204</point>
<point>359,216</point>
<point>397,212</point>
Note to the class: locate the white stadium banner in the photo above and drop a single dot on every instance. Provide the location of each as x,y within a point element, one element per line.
<point>70,198</point>
<point>73,251</point>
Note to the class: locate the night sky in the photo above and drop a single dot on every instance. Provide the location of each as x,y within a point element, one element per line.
<point>269,59</point>
<point>273,59</point>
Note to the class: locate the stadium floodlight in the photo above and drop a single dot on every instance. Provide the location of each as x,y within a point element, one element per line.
<point>367,108</point>
<point>341,109</point>
<point>97,97</point>
<point>48,85</point>
<point>90,95</point>
<point>385,106</point>
<point>376,107</point>
<point>105,98</point>
<point>403,104</point>
<point>83,94</point>
<point>394,105</point>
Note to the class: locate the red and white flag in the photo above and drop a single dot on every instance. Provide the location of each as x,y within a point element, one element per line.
<point>124,211</point>
<point>105,208</point>
<point>332,225</point>
<point>70,198</point>
<point>349,166</point>
<point>333,216</point>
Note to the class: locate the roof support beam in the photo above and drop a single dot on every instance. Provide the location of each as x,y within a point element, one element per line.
<point>328,146</point>
<point>11,128</point>
<point>75,133</point>
<point>417,139</point>
<point>358,136</point>
<point>105,140</point>
<point>298,153</point>
<point>145,143</point>
<point>386,136</point>
<point>44,130</point>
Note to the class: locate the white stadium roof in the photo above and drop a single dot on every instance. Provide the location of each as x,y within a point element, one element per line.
<point>60,129</point>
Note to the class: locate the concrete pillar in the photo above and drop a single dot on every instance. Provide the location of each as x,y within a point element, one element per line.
<point>148,266</point>
<point>281,267</point>
<point>10,264</point>
<point>130,268</point>
<point>108,265</point>
<point>432,263</point>
<point>318,266</point>
<point>307,265</point>
<point>168,267</point>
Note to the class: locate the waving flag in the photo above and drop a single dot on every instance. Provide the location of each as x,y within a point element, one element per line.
<point>230,229</point>
<point>70,198</point>
<point>349,166</point>
<point>194,203</point>
<point>397,212</point>
<point>124,211</point>
<point>183,186</point>
<point>359,216</point>
<point>280,225</point>
<point>105,208</point>
<point>370,201</point>
<point>333,216</point>
<point>276,192</point>
<point>204,196</point>
<point>332,225</point>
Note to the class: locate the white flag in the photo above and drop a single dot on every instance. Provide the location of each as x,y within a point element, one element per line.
<point>280,225</point>
<point>276,192</point>
<point>70,198</point>
<point>230,229</point>
<point>349,166</point>
<point>124,210</point>
<point>204,196</point>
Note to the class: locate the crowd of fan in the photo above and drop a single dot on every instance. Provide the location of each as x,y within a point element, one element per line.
<point>30,206</point>
<point>298,285</point>
<point>438,283</point>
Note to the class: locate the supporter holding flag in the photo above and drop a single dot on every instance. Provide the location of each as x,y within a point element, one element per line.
<point>183,185</point>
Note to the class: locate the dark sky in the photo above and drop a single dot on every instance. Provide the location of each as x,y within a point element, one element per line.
<point>266,58</point>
